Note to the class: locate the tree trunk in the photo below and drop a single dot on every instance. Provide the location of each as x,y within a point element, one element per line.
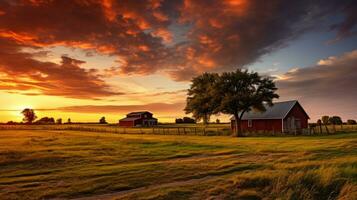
<point>327,129</point>
<point>238,127</point>
<point>320,129</point>
<point>237,124</point>
<point>205,119</point>
<point>239,132</point>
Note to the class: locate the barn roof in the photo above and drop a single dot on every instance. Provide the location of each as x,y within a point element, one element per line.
<point>129,119</point>
<point>139,112</point>
<point>278,111</point>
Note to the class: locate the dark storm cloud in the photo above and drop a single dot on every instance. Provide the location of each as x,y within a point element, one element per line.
<point>328,88</point>
<point>143,34</point>
<point>346,27</point>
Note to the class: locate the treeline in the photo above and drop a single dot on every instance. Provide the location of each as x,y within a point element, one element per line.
<point>185,120</point>
<point>30,118</point>
<point>331,120</point>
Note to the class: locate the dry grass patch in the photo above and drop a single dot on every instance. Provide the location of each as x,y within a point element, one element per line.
<point>41,164</point>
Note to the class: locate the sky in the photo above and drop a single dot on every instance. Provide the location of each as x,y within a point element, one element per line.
<point>84,59</point>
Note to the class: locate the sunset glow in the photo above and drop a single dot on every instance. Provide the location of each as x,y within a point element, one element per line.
<point>87,59</point>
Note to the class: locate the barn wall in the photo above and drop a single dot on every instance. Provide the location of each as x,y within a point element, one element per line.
<point>126,123</point>
<point>298,113</point>
<point>271,125</point>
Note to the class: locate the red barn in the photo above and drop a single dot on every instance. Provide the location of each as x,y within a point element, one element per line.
<point>143,118</point>
<point>284,117</point>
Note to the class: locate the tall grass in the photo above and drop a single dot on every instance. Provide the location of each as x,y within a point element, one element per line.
<point>173,129</point>
<point>42,164</point>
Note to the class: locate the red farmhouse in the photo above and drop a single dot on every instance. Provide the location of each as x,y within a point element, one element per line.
<point>133,119</point>
<point>284,117</point>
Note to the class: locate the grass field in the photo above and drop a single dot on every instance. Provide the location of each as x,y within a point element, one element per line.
<point>222,129</point>
<point>46,164</point>
<point>162,129</point>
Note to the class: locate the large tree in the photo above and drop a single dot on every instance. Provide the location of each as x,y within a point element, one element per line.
<point>201,101</point>
<point>29,115</point>
<point>241,91</point>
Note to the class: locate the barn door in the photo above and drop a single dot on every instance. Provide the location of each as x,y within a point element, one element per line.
<point>298,123</point>
<point>292,123</point>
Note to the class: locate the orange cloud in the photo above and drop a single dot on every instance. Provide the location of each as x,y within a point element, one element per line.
<point>20,72</point>
<point>109,12</point>
<point>162,36</point>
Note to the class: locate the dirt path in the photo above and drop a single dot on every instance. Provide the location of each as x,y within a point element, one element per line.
<point>146,188</point>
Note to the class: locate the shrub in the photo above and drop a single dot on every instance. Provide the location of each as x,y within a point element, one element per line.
<point>351,121</point>
<point>45,120</point>
<point>186,120</point>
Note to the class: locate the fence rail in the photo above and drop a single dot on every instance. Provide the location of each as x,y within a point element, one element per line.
<point>180,130</point>
<point>159,130</point>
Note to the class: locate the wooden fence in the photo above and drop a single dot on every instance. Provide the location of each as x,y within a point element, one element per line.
<point>180,130</point>
<point>159,130</point>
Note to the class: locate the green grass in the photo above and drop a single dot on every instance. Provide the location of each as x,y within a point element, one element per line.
<point>45,164</point>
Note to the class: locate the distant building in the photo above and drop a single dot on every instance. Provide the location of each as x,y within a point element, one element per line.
<point>284,117</point>
<point>143,118</point>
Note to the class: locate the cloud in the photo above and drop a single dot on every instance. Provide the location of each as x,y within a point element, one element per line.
<point>20,72</point>
<point>345,28</point>
<point>162,108</point>
<point>328,88</point>
<point>180,38</point>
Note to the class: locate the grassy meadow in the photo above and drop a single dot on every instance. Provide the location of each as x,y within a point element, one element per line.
<point>63,164</point>
<point>222,129</point>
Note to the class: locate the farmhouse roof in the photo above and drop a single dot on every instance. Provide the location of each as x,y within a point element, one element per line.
<point>278,111</point>
<point>139,112</point>
<point>129,119</point>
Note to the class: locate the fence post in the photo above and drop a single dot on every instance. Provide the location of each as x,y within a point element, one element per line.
<point>195,131</point>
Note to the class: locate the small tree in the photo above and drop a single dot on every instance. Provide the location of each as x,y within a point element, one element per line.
<point>325,121</point>
<point>29,115</point>
<point>242,91</point>
<point>188,120</point>
<point>201,101</point>
<point>59,121</point>
<point>69,121</point>
<point>319,123</point>
<point>179,121</point>
<point>102,121</point>
<point>218,121</point>
<point>351,122</point>
<point>337,121</point>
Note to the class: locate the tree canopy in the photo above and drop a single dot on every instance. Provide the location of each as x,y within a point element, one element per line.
<point>29,115</point>
<point>201,100</point>
<point>233,93</point>
<point>241,91</point>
